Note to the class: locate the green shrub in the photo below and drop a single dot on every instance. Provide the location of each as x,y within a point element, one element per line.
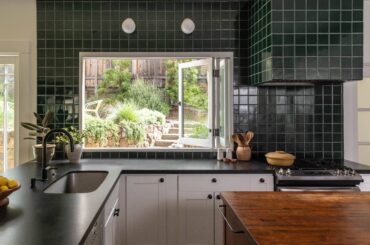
<point>147,116</point>
<point>146,95</point>
<point>199,132</point>
<point>127,112</point>
<point>134,132</point>
<point>98,130</point>
<point>116,82</point>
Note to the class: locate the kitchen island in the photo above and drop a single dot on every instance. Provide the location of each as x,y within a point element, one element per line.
<point>299,218</point>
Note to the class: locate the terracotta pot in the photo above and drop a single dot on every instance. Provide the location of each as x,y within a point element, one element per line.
<point>243,153</point>
<point>75,156</point>
<point>37,152</point>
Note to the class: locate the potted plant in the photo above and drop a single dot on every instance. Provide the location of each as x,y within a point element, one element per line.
<point>78,138</point>
<point>38,131</point>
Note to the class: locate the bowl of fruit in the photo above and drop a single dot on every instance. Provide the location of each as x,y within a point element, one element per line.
<point>7,187</point>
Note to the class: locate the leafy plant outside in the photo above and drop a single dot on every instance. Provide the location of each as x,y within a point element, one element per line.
<point>146,95</point>
<point>200,132</point>
<point>98,130</point>
<point>133,131</point>
<point>127,112</point>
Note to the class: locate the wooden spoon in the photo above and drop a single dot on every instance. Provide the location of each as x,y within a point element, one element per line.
<point>236,139</point>
<point>250,136</point>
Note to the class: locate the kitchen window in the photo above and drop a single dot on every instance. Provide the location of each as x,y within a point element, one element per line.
<point>156,100</point>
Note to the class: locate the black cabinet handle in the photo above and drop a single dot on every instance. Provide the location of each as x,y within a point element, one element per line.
<point>116,212</point>
<point>218,197</point>
<point>161,180</point>
<point>210,196</point>
<point>262,180</point>
<point>214,180</point>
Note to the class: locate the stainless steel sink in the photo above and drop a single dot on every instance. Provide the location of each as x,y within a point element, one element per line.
<point>78,182</point>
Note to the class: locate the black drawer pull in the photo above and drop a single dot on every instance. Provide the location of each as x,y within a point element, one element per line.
<point>214,180</point>
<point>262,180</point>
<point>218,197</point>
<point>161,180</point>
<point>116,212</point>
<point>210,196</point>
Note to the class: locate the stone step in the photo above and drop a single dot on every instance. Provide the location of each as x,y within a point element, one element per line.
<point>187,125</point>
<point>170,136</point>
<point>173,131</point>
<point>177,130</point>
<point>164,143</point>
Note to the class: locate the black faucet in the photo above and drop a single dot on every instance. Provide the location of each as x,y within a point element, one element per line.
<point>44,169</point>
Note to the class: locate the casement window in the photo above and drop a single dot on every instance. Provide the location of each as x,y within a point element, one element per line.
<point>156,100</point>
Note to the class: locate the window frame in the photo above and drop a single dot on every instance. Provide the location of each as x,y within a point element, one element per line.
<point>229,56</point>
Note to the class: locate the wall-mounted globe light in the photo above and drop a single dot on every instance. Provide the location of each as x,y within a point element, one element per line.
<point>187,26</point>
<point>128,26</point>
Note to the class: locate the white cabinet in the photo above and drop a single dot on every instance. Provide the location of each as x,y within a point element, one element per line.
<point>110,227</point>
<point>111,214</point>
<point>199,220</point>
<point>196,218</point>
<point>151,209</point>
<point>179,209</point>
<point>365,186</point>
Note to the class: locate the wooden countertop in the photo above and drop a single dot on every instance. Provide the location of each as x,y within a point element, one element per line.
<point>303,218</point>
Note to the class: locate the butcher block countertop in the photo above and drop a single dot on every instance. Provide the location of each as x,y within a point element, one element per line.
<point>302,218</point>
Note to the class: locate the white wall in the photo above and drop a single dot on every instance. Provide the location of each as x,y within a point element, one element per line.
<point>18,35</point>
<point>357,106</point>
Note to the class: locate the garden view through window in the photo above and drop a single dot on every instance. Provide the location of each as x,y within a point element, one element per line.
<point>149,103</point>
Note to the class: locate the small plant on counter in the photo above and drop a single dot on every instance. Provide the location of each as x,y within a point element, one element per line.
<point>78,137</point>
<point>38,131</point>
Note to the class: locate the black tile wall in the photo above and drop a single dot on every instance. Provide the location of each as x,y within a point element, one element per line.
<point>307,40</point>
<point>304,120</point>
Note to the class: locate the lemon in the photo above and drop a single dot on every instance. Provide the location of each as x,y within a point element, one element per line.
<point>12,183</point>
<point>3,181</point>
<point>4,188</point>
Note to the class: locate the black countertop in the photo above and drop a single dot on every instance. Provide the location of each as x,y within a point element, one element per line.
<point>33,217</point>
<point>360,168</point>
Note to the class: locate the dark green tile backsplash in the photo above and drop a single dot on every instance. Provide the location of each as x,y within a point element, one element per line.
<point>306,121</point>
<point>306,40</point>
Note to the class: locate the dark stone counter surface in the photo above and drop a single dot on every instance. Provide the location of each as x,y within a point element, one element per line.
<point>34,217</point>
<point>360,168</point>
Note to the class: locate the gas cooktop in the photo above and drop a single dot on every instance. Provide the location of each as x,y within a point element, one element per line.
<point>305,172</point>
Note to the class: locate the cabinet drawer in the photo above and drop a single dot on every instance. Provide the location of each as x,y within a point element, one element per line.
<point>214,182</point>
<point>112,199</point>
<point>262,182</point>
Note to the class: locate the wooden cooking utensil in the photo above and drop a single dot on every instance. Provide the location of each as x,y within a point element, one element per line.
<point>249,136</point>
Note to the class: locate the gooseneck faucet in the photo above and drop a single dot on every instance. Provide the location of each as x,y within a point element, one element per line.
<point>44,169</point>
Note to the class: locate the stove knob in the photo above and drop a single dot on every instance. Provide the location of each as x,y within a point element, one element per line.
<point>337,172</point>
<point>353,172</point>
<point>281,171</point>
<point>288,172</point>
<point>346,172</point>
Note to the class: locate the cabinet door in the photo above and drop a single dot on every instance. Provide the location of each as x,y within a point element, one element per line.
<point>219,222</point>
<point>110,227</point>
<point>196,211</point>
<point>146,210</point>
